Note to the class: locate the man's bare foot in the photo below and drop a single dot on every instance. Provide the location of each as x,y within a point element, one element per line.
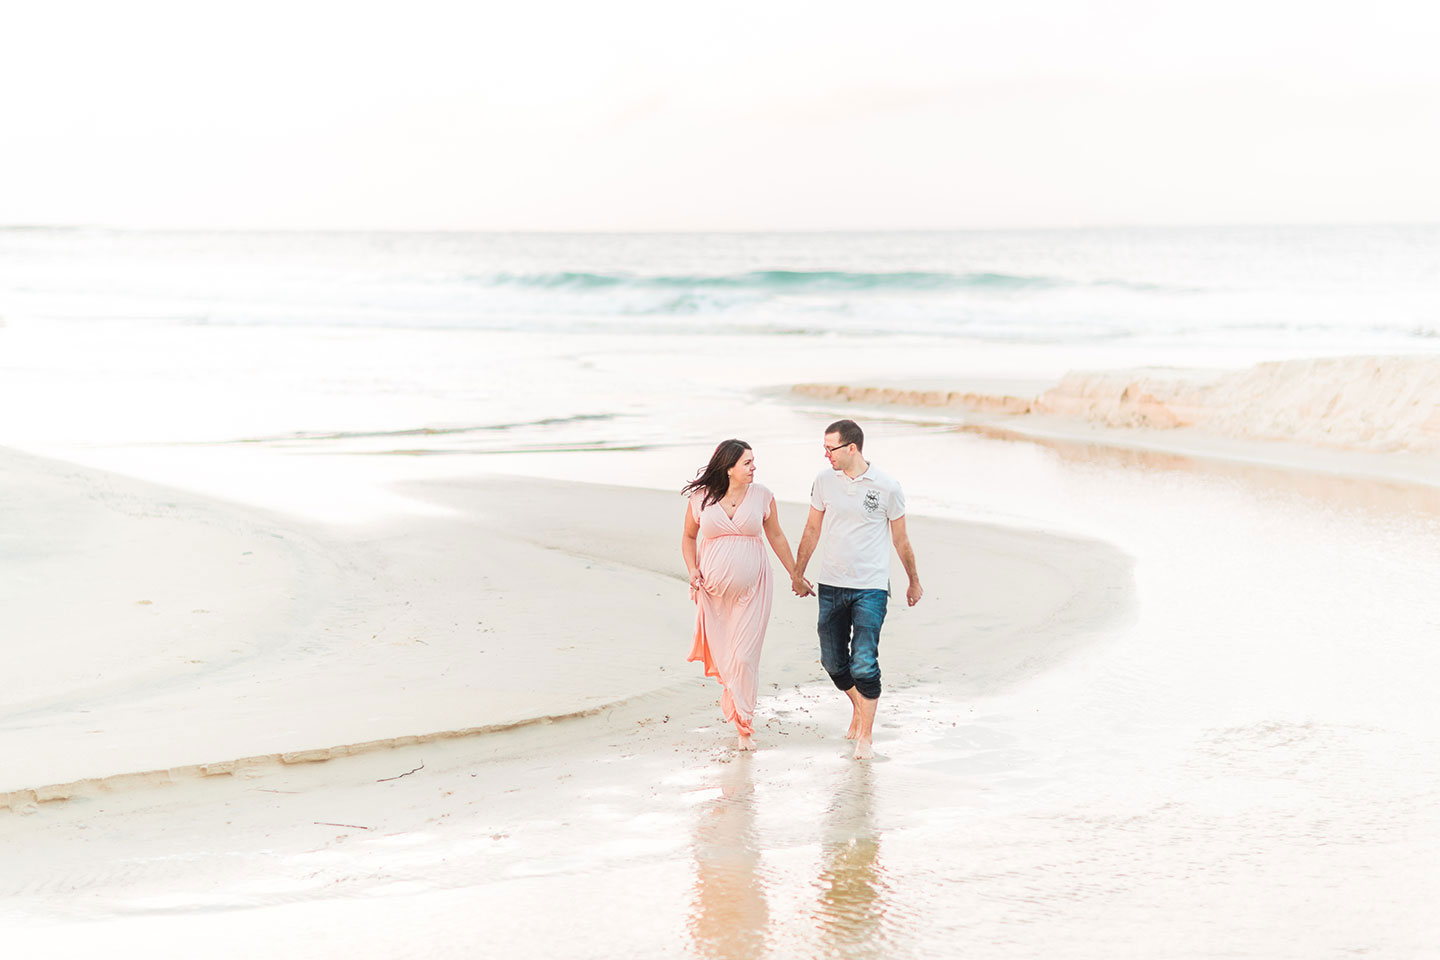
<point>864,750</point>
<point>854,730</point>
<point>745,743</point>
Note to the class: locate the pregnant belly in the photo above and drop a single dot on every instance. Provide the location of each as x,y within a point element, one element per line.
<point>734,566</point>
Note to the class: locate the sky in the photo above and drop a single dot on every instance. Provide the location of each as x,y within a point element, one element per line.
<point>745,116</point>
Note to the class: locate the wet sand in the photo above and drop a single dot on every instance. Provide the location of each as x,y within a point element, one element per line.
<point>1078,757</point>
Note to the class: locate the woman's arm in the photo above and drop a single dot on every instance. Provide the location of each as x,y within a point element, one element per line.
<point>688,533</point>
<point>781,545</point>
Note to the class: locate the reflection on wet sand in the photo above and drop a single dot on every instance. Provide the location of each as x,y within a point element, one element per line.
<point>852,884</point>
<point>728,915</point>
<point>1369,494</point>
<point>732,915</point>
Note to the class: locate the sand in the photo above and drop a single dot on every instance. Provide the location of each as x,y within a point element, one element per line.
<point>274,640</point>
<point>1377,416</point>
<point>207,691</point>
<point>282,642</point>
<point>470,730</point>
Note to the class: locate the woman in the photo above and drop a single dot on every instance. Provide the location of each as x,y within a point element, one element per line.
<point>730,574</point>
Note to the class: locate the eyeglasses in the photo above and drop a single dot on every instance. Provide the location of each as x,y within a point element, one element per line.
<point>834,448</point>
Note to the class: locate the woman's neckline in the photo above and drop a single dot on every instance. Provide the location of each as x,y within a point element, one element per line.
<point>738,503</point>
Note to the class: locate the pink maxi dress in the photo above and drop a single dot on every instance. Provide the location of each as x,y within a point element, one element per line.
<point>733,608</point>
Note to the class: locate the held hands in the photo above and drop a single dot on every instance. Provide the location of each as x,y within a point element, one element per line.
<point>801,586</point>
<point>914,593</point>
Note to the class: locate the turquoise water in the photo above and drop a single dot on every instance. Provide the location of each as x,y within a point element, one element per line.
<point>1354,288</point>
<point>111,337</point>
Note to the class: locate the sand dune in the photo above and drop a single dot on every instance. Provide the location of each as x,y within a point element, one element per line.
<point>1373,404</point>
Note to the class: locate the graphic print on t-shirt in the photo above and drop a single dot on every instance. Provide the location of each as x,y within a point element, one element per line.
<point>872,501</point>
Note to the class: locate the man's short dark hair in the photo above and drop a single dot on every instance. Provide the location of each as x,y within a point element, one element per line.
<point>849,432</point>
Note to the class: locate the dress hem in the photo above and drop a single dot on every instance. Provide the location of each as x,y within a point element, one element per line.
<point>700,653</point>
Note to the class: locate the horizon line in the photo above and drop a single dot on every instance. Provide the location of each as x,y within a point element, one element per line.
<point>689,231</point>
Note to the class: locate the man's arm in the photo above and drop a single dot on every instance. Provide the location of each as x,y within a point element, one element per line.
<point>806,550</point>
<point>901,539</point>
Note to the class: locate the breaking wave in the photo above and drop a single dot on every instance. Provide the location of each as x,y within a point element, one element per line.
<point>780,281</point>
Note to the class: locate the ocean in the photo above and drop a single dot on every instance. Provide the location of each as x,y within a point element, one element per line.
<point>496,343</point>
<point>1342,285</point>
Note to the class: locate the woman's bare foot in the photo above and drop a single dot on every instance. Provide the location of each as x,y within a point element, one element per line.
<point>864,750</point>
<point>746,743</point>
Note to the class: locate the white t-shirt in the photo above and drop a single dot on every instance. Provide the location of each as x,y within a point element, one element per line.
<point>854,548</point>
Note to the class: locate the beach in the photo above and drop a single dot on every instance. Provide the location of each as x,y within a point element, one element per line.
<point>342,625</point>
<point>1025,780</point>
<point>470,674</point>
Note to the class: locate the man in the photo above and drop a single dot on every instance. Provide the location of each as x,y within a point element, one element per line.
<point>858,512</point>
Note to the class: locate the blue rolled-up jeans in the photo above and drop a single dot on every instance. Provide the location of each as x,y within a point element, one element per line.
<point>850,622</point>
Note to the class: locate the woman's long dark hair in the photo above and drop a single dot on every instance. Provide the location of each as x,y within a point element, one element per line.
<point>714,479</point>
